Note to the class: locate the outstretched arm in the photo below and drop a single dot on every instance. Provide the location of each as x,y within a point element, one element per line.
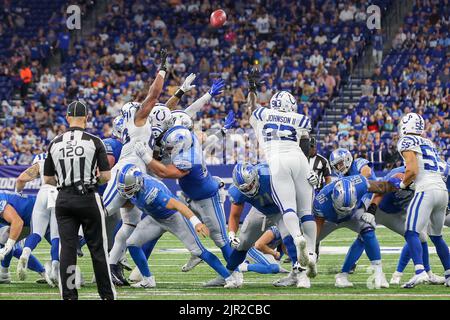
<point>185,87</point>
<point>262,244</point>
<point>381,187</point>
<point>28,175</point>
<point>254,82</point>
<point>174,204</point>
<point>216,89</point>
<point>153,92</point>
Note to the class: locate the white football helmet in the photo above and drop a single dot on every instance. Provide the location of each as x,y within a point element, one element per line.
<point>176,141</point>
<point>181,118</point>
<point>128,106</point>
<point>411,123</point>
<point>283,101</point>
<point>161,117</point>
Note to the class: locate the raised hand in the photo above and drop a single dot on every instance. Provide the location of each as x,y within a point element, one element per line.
<point>254,80</point>
<point>229,120</point>
<point>217,87</point>
<point>163,56</point>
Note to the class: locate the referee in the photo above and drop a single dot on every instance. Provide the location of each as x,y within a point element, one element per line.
<point>319,164</point>
<point>76,163</point>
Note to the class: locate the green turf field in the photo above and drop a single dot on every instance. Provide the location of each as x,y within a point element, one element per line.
<point>173,284</point>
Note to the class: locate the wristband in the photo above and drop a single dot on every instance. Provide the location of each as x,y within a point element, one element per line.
<point>402,185</point>
<point>10,243</point>
<point>147,158</point>
<point>194,220</point>
<point>372,209</point>
<point>162,73</point>
<point>231,234</point>
<point>179,93</point>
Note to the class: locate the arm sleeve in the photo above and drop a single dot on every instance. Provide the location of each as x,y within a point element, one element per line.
<point>197,105</point>
<point>102,157</point>
<point>235,196</point>
<point>49,166</point>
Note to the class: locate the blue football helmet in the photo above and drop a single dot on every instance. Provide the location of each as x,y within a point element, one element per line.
<point>341,160</point>
<point>129,181</point>
<point>246,179</point>
<point>344,197</point>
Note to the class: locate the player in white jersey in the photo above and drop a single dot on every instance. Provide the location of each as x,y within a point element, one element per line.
<point>43,217</point>
<point>137,131</point>
<point>428,207</point>
<point>279,130</point>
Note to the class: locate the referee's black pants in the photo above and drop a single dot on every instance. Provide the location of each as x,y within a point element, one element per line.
<point>72,211</point>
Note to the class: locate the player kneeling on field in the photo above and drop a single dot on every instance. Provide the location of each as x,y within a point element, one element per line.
<point>164,212</point>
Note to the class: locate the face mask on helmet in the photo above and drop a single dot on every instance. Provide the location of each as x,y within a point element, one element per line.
<point>176,142</point>
<point>117,127</point>
<point>246,179</point>
<point>129,181</point>
<point>341,160</point>
<point>126,108</point>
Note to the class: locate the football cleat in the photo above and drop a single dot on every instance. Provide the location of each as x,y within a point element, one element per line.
<point>5,276</point>
<point>135,275</point>
<point>416,280</point>
<point>191,264</point>
<point>288,281</point>
<point>124,263</point>
<point>48,275</point>
<point>231,283</point>
<point>435,279</point>
<point>117,276</point>
<point>302,253</point>
<point>311,268</point>
<point>217,282</point>
<point>22,267</point>
<point>54,273</point>
<point>303,280</point>
<point>396,278</point>
<point>238,277</point>
<point>145,283</point>
<point>380,281</point>
<point>342,281</point>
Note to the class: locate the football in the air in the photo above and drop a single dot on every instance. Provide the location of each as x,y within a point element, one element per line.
<point>218,18</point>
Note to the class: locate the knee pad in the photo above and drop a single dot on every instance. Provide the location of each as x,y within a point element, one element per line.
<point>368,233</point>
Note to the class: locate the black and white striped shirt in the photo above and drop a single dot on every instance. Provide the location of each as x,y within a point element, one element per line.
<point>74,156</point>
<point>321,167</point>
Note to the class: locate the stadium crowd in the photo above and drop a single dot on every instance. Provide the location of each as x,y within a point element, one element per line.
<point>114,64</point>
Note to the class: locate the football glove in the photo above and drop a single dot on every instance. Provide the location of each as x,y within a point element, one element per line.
<point>187,84</point>
<point>369,219</point>
<point>163,56</point>
<point>229,120</point>
<point>234,241</point>
<point>9,245</point>
<point>143,152</point>
<point>313,178</point>
<point>254,80</point>
<point>217,87</point>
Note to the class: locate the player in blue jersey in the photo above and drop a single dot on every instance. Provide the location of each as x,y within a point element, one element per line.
<point>252,184</point>
<point>390,210</point>
<point>200,190</point>
<point>15,220</point>
<point>341,203</point>
<point>164,212</point>
<point>43,219</point>
<point>343,165</point>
